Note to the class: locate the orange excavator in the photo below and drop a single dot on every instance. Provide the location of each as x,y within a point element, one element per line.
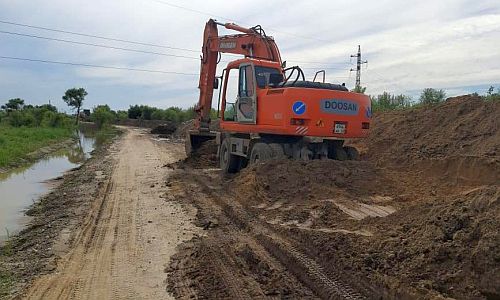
<point>276,112</point>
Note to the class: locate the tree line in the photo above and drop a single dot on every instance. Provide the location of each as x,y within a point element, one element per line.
<point>387,101</point>
<point>15,112</point>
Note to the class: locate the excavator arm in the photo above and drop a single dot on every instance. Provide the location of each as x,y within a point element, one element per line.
<point>252,42</point>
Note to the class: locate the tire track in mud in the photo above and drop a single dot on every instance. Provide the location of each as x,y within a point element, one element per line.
<point>119,250</point>
<point>305,269</point>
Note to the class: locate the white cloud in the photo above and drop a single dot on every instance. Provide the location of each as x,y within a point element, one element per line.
<point>409,45</point>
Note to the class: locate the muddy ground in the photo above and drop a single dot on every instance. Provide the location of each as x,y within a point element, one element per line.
<point>107,231</point>
<point>418,217</point>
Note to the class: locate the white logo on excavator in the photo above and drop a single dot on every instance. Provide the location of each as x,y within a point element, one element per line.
<point>227,45</point>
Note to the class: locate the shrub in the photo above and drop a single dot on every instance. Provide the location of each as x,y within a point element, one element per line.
<point>432,96</point>
<point>386,101</point>
<point>102,116</point>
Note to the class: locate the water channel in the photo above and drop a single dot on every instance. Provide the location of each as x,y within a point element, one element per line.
<point>21,187</point>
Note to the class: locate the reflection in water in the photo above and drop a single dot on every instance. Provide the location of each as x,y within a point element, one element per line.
<point>21,187</point>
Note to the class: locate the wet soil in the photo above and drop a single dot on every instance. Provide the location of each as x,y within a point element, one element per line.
<point>417,218</point>
<point>107,231</point>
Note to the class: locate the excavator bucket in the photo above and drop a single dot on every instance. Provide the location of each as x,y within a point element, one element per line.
<point>195,138</point>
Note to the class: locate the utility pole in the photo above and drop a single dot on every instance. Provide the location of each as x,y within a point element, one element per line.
<point>359,62</point>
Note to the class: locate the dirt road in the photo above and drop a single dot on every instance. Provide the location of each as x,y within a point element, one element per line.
<point>122,248</point>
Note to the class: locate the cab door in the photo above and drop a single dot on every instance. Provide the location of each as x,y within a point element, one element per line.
<point>246,104</point>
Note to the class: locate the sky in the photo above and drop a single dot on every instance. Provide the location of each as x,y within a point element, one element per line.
<point>409,46</point>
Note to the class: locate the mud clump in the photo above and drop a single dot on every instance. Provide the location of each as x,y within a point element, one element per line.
<point>202,158</point>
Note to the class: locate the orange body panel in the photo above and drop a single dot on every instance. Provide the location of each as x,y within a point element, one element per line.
<point>318,111</point>
<point>275,113</point>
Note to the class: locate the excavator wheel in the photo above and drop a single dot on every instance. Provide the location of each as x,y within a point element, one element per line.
<point>352,153</point>
<point>339,153</point>
<point>260,152</point>
<point>229,163</point>
<point>278,151</point>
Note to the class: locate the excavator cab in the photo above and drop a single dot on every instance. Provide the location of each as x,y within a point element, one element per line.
<point>251,78</point>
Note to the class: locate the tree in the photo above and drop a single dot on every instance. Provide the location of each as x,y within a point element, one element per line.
<point>103,116</point>
<point>432,96</point>
<point>14,104</point>
<point>134,112</point>
<point>387,101</point>
<point>359,89</point>
<point>121,115</point>
<point>74,98</point>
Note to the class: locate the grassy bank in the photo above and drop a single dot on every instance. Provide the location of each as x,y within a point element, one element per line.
<point>5,284</point>
<point>17,142</point>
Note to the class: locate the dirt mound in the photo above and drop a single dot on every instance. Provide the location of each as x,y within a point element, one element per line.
<point>419,215</point>
<point>297,181</point>
<point>203,158</point>
<point>167,128</point>
<point>461,126</point>
<point>449,247</point>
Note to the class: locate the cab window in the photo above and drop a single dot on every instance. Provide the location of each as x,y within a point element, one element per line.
<point>262,75</point>
<point>246,84</point>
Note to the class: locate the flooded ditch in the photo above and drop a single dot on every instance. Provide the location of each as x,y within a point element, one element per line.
<point>21,187</point>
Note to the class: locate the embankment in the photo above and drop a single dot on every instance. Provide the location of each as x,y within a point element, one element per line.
<point>21,145</point>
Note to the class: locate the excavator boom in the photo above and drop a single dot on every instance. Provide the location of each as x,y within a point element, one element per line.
<point>252,43</point>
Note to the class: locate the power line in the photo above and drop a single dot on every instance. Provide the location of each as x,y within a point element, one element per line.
<point>95,45</point>
<point>95,66</point>
<point>127,41</point>
<point>317,62</point>
<point>230,19</point>
<point>98,36</point>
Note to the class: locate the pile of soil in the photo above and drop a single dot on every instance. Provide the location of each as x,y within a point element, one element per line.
<point>445,247</point>
<point>167,128</point>
<point>460,126</point>
<point>204,157</point>
<point>293,181</point>
<point>435,170</point>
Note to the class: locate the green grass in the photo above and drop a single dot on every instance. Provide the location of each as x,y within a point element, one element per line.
<point>6,282</point>
<point>16,143</point>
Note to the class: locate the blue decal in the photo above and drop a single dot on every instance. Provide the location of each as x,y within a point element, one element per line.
<point>299,107</point>
<point>339,106</point>
<point>368,112</point>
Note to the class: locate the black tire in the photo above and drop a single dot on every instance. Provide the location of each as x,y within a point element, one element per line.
<point>336,150</point>
<point>229,163</point>
<point>278,151</point>
<point>260,152</point>
<point>340,154</point>
<point>352,153</point>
